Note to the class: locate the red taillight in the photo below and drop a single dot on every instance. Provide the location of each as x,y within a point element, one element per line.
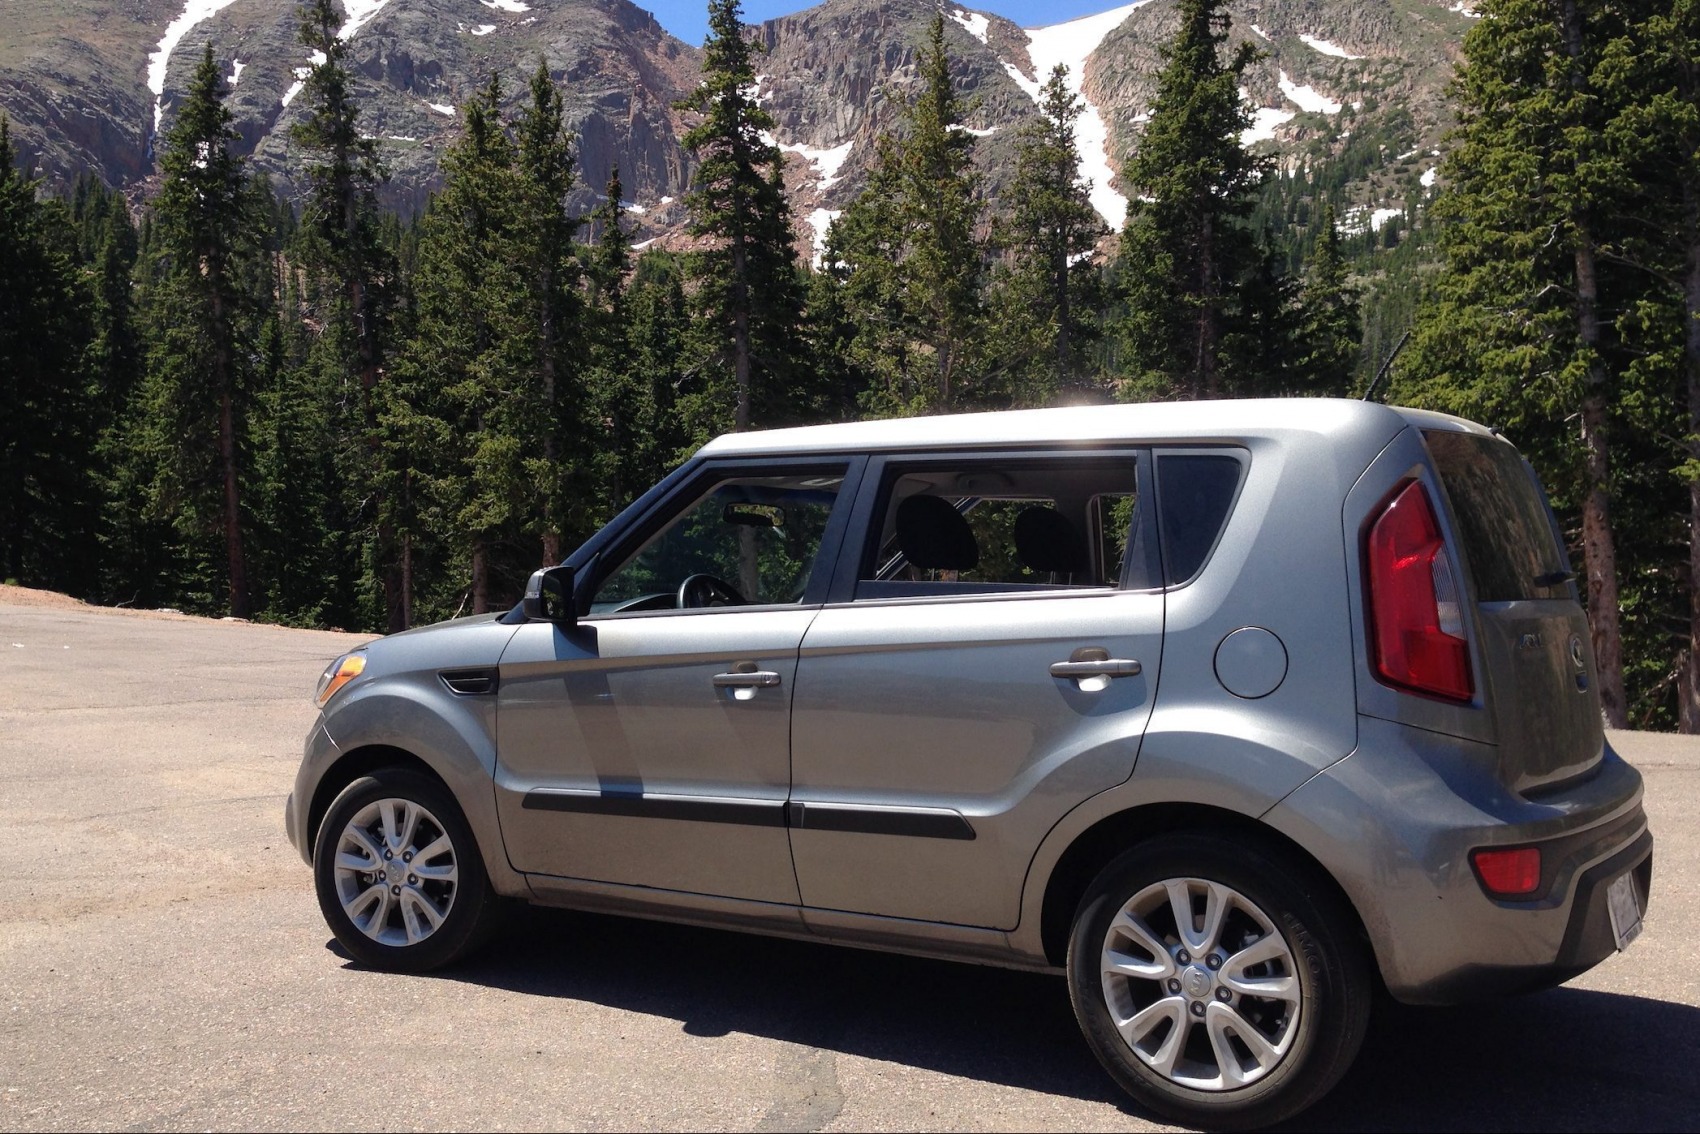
<point>1509,873</point>
<point>1416,623</point>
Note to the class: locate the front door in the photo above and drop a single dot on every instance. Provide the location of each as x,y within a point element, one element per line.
<point>649,744</point>
<point>992,666</point>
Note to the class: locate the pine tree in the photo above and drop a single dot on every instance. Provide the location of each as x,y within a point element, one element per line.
<point>1519,331</point>
<point>342,246</point>
<point>45,442</point>
<point>1050,235</point>
<point>747,291</point>
<point>909,257</point>
<point>1330,332</point>
<point>1188,248</point>
<point>546,239</point>
<point>202,317</point>
<point>1649,78</point>
<point>460,420</point>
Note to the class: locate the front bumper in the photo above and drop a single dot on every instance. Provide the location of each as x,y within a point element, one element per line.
<point>318,753</point>
<point>1394,824</point>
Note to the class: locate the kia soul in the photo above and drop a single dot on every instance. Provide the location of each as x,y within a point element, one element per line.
<point>1228,712</point>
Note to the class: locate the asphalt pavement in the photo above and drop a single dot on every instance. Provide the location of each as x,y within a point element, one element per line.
<point>163,963</point>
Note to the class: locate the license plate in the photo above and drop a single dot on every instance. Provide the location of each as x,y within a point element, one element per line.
<point>1625,910</point>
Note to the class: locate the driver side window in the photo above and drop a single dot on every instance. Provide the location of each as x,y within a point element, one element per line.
<point>747,540</point>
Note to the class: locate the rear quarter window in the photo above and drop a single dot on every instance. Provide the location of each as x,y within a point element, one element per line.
<point>1501,517</point>
<point>1196,492</point>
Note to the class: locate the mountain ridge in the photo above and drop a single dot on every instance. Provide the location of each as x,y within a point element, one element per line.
<point>84,95</point>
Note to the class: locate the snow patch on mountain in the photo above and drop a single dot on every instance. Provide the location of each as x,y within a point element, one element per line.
<point>1428,177</point>
<point>483,29</point>
<point>976,24</point>
<point>828,161</point>
<point>236,66</point>
<point>1265,120</point>
<point>1306,97</point>
<point>1326,48</point>
<point>1382,216</point>
<point>507,5</point>
<point>360,13</point>
<point>1069,44</point>
<point>193,13</point>
<point>821,220</point>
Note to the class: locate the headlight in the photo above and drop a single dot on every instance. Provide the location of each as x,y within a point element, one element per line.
<point>337,674</point>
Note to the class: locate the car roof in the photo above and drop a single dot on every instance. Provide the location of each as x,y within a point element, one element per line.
<point>1222,421</point>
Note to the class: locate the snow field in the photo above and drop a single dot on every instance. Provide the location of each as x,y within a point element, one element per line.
<point>1326,48</point>
<point>1069,44</point>
<point>976,24</point>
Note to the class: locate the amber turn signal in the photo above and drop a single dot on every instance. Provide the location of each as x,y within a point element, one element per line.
<point>337,674</point>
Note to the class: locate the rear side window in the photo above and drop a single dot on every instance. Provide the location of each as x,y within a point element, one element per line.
<point>1502,518</point>
<point>1197,492</point>
<point>993,526</point>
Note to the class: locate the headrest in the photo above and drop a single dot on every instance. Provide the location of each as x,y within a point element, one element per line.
<point>934,537</point>
<point>1046,541</point>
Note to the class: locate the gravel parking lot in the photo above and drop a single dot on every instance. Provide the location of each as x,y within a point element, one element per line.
<point>164,965</point>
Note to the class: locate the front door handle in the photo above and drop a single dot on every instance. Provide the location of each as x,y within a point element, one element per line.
<point>754,679</point>
<point>1101,667</point>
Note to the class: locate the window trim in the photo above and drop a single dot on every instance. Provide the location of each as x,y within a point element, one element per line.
<point>1141,567</point>
<point>689,485</point>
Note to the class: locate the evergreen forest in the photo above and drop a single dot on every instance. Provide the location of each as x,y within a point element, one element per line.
<point>314,412</point>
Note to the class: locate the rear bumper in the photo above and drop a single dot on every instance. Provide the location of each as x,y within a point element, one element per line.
<point>1588,936</point>
<point>1395,822</point>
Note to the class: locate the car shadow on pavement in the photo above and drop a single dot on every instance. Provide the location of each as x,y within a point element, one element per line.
<point>1568,1059</point>
<point>1565,1059</point>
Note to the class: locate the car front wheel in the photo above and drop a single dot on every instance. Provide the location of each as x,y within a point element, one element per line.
<point>398,874</point>
<point>1216,985</point>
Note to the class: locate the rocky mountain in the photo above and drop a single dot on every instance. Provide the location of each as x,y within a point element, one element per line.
<point>84,82</point>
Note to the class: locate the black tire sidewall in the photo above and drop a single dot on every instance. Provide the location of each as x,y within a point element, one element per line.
<point>1333,977</point>
<point>471,915</point>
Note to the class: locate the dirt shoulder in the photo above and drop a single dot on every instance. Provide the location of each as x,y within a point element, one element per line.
<point>29,597</point>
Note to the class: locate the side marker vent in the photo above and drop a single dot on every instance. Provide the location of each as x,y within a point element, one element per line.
<point>470,682</point>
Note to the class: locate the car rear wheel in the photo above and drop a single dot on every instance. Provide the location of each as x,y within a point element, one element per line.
<point>1215,985</point>
<point>398,874</point>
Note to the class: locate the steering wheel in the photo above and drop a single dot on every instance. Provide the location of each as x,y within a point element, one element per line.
<point>703,589</point>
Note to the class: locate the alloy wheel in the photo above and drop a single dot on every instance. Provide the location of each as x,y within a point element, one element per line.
<point>396,872</point>
<point>1200,984</point>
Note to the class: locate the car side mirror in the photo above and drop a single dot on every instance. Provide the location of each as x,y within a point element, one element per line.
<point>549,596</point>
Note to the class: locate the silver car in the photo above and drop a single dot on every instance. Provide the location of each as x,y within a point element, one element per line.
<point>1228,712</point>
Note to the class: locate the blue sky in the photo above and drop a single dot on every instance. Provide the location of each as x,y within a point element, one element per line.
<point>688,19</point>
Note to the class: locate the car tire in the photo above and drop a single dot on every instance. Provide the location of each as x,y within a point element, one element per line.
<point>1249,1016</point>
<point>398,873</point>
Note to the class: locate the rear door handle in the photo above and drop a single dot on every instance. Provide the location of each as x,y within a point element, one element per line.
<point>1102,667</point>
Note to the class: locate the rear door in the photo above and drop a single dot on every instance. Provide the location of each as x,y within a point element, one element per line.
<point>987,661</point>
<point>1534,638</point>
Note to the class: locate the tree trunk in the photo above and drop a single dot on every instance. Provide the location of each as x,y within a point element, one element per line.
<point>239,605</point>
<point>741,333</point>
<point>480,577</point>
<point>1688,714</point>
<point>552,422</point>
<point>1599,547</point>
<point>1059,284</point>
<point>1204,364</point>
<point>223,378</point>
